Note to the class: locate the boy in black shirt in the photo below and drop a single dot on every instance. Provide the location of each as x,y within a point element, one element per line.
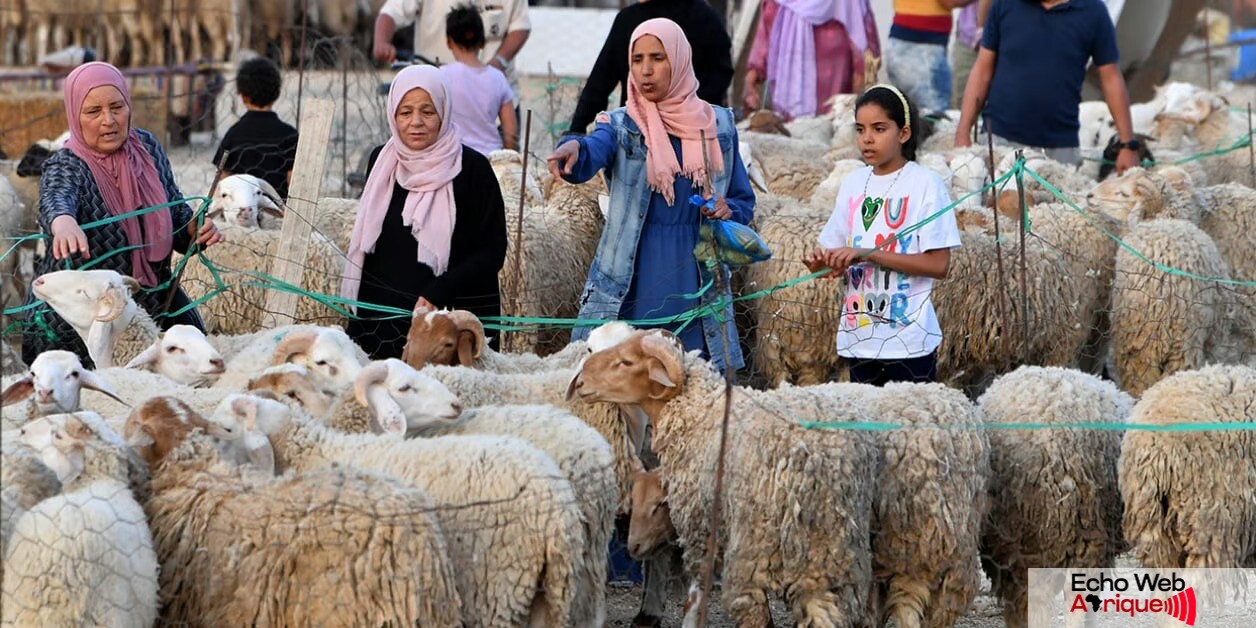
<point>259,144</point>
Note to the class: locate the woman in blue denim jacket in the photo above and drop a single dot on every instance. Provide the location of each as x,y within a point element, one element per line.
<point>644,267</point>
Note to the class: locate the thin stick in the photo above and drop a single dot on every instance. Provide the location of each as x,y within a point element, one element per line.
<point>1207,49</point>
<point>708,572</point>
<point>523,194</point>
<point>344,116</point>
<point>998,240</point>
<point>1024,220</point>
<point>1251,146</point>
<point>192,248</point>
<point>305,20</point>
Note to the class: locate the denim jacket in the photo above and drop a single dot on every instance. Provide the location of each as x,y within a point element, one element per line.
<point>611,272</point>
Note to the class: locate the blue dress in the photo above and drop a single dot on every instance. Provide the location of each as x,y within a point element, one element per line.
<point>666,269</point>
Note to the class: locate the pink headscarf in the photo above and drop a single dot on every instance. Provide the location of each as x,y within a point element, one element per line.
<point>680,113</point>
<point>127,177</point>
<point>428,174</point>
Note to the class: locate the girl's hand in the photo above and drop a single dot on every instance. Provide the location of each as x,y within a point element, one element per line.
<point>68,238</point>
<point>208,234</point>
<point>843,258</point>
<point>815,262</point>
<point>721,211</point>
<point>564,157</point>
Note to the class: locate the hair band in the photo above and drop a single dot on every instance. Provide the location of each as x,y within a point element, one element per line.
<point>901,98</point>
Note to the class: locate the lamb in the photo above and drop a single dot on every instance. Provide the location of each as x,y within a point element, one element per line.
<point>242,199</point>
<point>1053,493</point>
<point>240,308</point>
<point>536,533</point>
<point>331,546</point>
<point>793,167</point>
<point>183,354</point>
<point>1176,515</point>
<point>333,358</point>
<point>53,386</point>
<point>1162,322</point>
<point>456,338</point>
<point>84,556</point>
<point>825,580</point>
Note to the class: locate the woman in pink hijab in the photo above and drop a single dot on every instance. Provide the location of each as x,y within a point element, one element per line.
<point>108,169</point>
<point>431,225</point>
<point>654,157</point>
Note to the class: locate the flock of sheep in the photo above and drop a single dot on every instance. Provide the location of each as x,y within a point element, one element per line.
<point>279,476</point>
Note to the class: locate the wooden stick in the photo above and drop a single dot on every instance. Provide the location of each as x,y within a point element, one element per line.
<point>523,194</point>
<point>998,240</point>
<point>1251,147</point>
<point>1207,48</point>
<point>1024,220</point>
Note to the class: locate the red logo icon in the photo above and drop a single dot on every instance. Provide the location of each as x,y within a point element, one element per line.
<point>1182,606</point>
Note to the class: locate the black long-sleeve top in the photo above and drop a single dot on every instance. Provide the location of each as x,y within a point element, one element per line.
<point>703,26</point>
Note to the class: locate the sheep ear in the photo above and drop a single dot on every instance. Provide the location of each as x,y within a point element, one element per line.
<point>467,321</point>
<point>658,375</point>
<point>294,344</point>
<point>270,198</point>
<point>140,438</point>
<point>131,284</point>
<point>147,359</point>
<point>467,348</point>
<point>389,419</point>
<point>99,339</point>
<point>245,407</point>
<point>17,391</point>
<point>571,386</point>
<point>636,421</point>
<point>97,383</point>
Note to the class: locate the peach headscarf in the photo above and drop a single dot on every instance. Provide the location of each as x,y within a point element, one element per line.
<point>680,113</point>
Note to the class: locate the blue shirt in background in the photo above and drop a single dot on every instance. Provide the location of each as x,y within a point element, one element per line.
<point>1041,61</point>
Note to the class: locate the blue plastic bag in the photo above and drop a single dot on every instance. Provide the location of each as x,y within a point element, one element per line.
<point>726,241</point>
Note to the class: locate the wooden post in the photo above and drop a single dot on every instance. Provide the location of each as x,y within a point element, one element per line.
<point>998,239</point>
<point>1251,147</point>
<point>307,185</point>
<point>1207,48</point>
<point>517,303</point>
<point>1024,223</point>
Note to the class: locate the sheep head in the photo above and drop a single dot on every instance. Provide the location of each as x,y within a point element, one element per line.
<point>768,122</point>
<point>650,528</point>
<point>404,400</point>
<point>648,367</point>
<point>64,441</point>
<point>240,198</point>
<point>294,382</point>
<point>94,302</point>
<point>328,353</point>
<point>56,379</point>
<point>246,424</point>
<point>159,425</point>
<point>450,338</point>
<point>183,354</point>
<point>1129,197</point>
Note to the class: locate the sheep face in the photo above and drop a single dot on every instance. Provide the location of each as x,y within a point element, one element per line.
<point>647,367</point>
<point>650,528</point>
<point>56,379</point>
<point>403,399</point>
<point>242,433</point>
<point>84,297</point>
<point>294,382</point>
<point>160,425</point>
<point>60,440</point>
<point>451,338</point>
<point>329,355</point>
<point>184,355</point>
<point>240,197</point>
<point>1125,197</point>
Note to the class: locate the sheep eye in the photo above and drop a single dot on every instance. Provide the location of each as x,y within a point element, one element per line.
<point>321,363</point>
<point>73,375</point>
<point>293,395</point>
<point>173,350</point>
<point>405,388</point>
<point>626,362</point>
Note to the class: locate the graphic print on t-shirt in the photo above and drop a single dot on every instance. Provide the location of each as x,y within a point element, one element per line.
<point>876,293</point>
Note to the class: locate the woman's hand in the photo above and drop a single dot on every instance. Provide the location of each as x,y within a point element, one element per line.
<point>68,238</point>
<point>208,234</point>
<point>721,210</point>
<point>750,92</point>
<point>567,154</point>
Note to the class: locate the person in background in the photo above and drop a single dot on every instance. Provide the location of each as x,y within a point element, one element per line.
<point>482,93</point>
<point>809,50</point>
<point>654,158</point>
<point>431,225</point>
<point>259,143</point>
<point>915,56</point>
<point>967,41</point>
<point>703,28</point>
<point>1031,65</point>
<point>506,29</point>
<point>107,169</point>
<point>888,335</point>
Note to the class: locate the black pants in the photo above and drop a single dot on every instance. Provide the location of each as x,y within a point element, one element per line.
<point>882,372</point>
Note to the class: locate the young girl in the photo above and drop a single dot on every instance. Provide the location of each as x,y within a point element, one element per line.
<point>481,93</point>
<point>888,330</point>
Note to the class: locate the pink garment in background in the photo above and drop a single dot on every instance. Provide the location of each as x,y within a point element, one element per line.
<point>480,93</point>
<point>837,58</point>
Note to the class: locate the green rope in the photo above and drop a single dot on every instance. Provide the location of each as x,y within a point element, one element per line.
<point>1113,427</point>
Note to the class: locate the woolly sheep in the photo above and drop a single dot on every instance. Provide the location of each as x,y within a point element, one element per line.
<point>536,534</point>
<point>332,357</point>
<point>792,167</point>
<point>825,195</point>
<point>456,337</point>
<point>817,559</point>
<point>241,199</point>
<point>1053,493</point>
<point>1164,322</point>
<point>24,481</point>
<point>507,165</point>
<point>99,306</point>
<point>330,546</point>
<point>134,387</point>
<point>84,556</point>
<point>183,354</point>
<point>1205,123</point>
<point>1188,495</point>
<point>53,386</point>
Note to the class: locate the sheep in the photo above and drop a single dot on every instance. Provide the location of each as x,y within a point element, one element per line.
<point>812,128</point>
<point>134,387</point>
<point>1188,495</point>
<point>456,337</point>
<point>98,305</point>
<point>24,481</point>
<point>1163,322</point>
<point>333,358</point>
<point>330,546</point>
<point>10,360</point>
<point>52,386</point>
<point>817,559</point>
<point>533,524</point>
<point>183,354</point>
<point>1204,123</point>
<point>508,167</point>
<point>793,167</point>
<point>84,556</point>
<point>826,193</point>
<point>242,199</point>
<point>1053,493</point>
<point>240,308</point>
<point>753,171</point>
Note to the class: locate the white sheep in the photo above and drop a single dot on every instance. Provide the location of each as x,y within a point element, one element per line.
<point>825,195</point>
<point>24,481</point>
<point>774,538</point>
<point>99,306</point>
<point>330,546</point>
<point>183,354</point>
<point>490,492</point>
<point>84,556</point>
<point>333,358</point>
<point>1053,493</point>
<point>1188,495</point>
<point>793,167</point>
<point>241,199</point>
<point>52,386</point>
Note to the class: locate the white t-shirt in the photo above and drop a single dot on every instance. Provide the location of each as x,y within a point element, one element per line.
<point>887,315</point>
<point>428,16</point>
<point>479,94</point>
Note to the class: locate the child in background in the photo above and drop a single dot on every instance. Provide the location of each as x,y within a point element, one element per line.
<point>481,94</point>
<point>888,330</point>
<point>260,143</point>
